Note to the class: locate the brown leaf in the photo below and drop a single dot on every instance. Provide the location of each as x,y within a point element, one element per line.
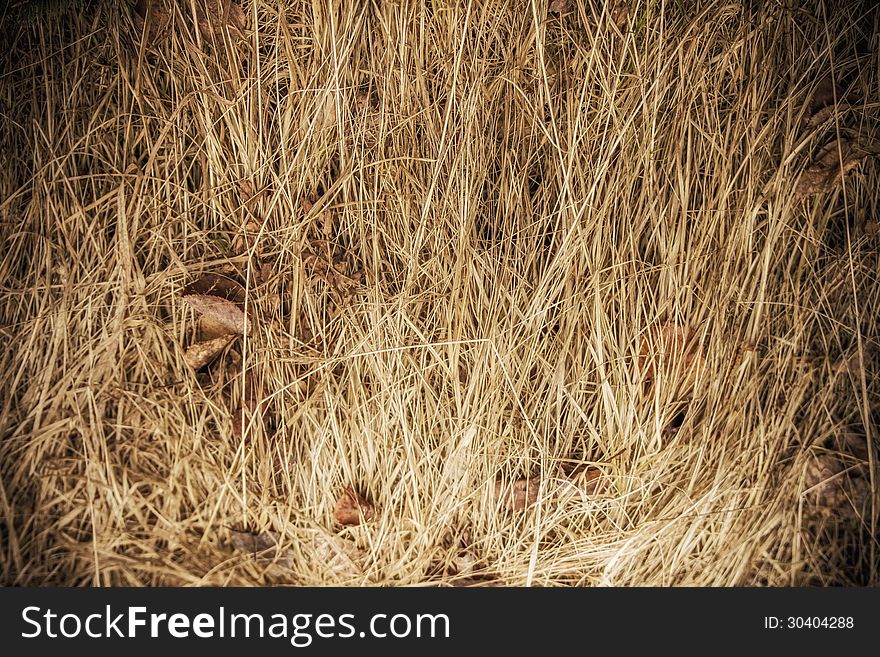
<point>246,187</point>
<point>583,481</point>
<point>821,102</point>
<point>559,6</point>
<point>152,20</point>
<point>339,555</point>
<point>518,496</point>
<point>593,481</point>
<point>214,16</point>
<point>668,349</point>
<point>262,547</point>
<point>857,445</point>
<point>200,354</point>
<point>218,309</point>
<point>830,489</point>
<point>618,12</point>
<point>464,563</point>
<point>852,363</point>
<point>829,167</point>
<point>243,421</point>
<point>351,507</point>
<point>209,329</point>
<point>220,300</point>
<point>217,286</point>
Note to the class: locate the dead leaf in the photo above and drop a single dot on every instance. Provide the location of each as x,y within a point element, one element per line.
<point>829,167</point>
<point>852,364</point>
<point>262,547</point>
<point>579,481</point>
<point>200,354</point>
<point>246,187</point>
<point>669,349</point>
<point>243,421</point>
<point>464,563</point>
<point>322,114</point>
<point>152,20</point>
<point>339,555</point>
<point>593,481</point>
<point>519,495</point>
<point>220,300</point>
<point>831,488</point>
<point>351,507</point>
<point>559,6</point>
<point>214,16</point>
<point>857,445</point>
<point>618,12</point>
<point>217,286</point>
<point>209,329</point>
<point>822,102</point>
<point>220,310</point>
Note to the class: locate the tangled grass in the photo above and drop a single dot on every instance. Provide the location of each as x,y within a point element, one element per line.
<point>568,247</point>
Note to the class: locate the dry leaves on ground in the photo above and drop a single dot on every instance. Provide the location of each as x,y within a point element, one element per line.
<point>352,508</point>
<point>829,167</point>
<point>559,6</point>
<point>576,480</point>
<point>263,547</point>
<point>220,310</point>
<point>213,17</point>
<point>581,482</point>
<point>833,488</point>
<point>518,495</point>
<point>822,102</point>
<point>220,300</point>
<point>328,263</point>
<point>671,353</point>
<point>152,19</point>
<point>618,13</point>
<point>591,481</point>
<point>333,273</point>
<point>201,353</point>
<point>340,556</point>
<point>336,554</point>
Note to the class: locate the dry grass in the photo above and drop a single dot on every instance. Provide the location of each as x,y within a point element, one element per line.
<point>535,201</point>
